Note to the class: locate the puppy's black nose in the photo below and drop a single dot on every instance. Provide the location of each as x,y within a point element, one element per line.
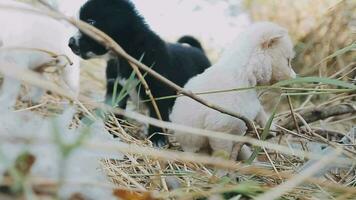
<point>73,45</point>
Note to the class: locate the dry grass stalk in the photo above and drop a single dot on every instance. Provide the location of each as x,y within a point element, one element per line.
<point>32,78</point>
<point>109,43</point>
<point>141,170</point>
<point>299,178</point>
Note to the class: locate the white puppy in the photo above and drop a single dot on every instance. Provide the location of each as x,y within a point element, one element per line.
<point>27,39</point>
<point>261,54</point>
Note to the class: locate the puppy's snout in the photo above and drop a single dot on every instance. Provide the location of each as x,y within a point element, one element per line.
<point>71,42</point>
<point>73,45</point>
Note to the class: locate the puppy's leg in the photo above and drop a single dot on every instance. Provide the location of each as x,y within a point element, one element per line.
<point>223,148</point>
<point>158,139</point>
<point>193,143</point>
<point>262,118</point>
<point>227,124</point>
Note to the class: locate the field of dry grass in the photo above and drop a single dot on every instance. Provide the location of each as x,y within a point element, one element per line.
<point>312,114</point>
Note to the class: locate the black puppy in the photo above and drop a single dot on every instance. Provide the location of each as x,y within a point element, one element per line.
<point>120,20</point>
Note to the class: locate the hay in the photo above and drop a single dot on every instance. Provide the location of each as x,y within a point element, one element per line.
<point>315,31</point>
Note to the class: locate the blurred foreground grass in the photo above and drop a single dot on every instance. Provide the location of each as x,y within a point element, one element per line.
<point>324,33</point>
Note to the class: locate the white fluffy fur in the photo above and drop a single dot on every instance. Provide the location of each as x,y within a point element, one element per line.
<point>25,30</point>
<point>28,132</point>
<point>83,165</point>
<point>260,55</point>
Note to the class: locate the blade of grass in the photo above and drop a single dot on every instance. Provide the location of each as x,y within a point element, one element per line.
<point>339,52</point>
<point>319,80</point>
<point>314,93</point>
<point>130,84</point>
<point>265,133</point>
<point>114,95</point>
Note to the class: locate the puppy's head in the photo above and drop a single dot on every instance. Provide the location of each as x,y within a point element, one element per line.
<point>278,46</point>
<point>274,55</point>
<point>113,17</point>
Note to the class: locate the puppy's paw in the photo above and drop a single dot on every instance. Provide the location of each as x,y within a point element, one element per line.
<point>159,141</point>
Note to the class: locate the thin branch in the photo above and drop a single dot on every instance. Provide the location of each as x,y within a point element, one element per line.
<point>147,91</point>
<point>164,155</point>
<point>293,114</point>
<point>110,44</point>
<point>134,67</point>
<point>319,113</point>
<point>33,78</point>
<point>104,39</point>
<point>327,133</point>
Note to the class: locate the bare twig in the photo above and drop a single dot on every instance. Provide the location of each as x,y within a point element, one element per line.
<point>319,113</point>
<point>136,70</point>
<point>147,91</point>
<point>327,133</point>
<point>293,114</point>
<point>110,44</point>
<point>30,77</point>
<point>269,157</point>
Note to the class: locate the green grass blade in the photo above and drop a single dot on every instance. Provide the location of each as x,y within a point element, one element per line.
<point>265,133</point>
<point>319,80</point>
<point>339,52</point>
<point>114,95</point>
<point>130,84</point>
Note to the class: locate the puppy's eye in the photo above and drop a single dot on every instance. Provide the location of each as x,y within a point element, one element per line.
<point>91,22</point>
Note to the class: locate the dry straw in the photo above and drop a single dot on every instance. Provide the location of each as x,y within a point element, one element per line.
<point>145,168</point>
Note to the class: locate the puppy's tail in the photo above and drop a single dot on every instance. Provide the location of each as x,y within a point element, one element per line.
<point>191,41</point>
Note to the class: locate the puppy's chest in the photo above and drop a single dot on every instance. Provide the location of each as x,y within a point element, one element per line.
<point>120,70</point>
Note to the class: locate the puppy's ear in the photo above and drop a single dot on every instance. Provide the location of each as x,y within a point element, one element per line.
<point>272,41</point>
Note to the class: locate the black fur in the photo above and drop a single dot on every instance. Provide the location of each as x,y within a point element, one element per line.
<point>120,20</point>
<point>187,39</point>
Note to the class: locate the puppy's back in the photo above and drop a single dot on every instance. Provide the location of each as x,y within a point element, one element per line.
<point>189,60</point>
